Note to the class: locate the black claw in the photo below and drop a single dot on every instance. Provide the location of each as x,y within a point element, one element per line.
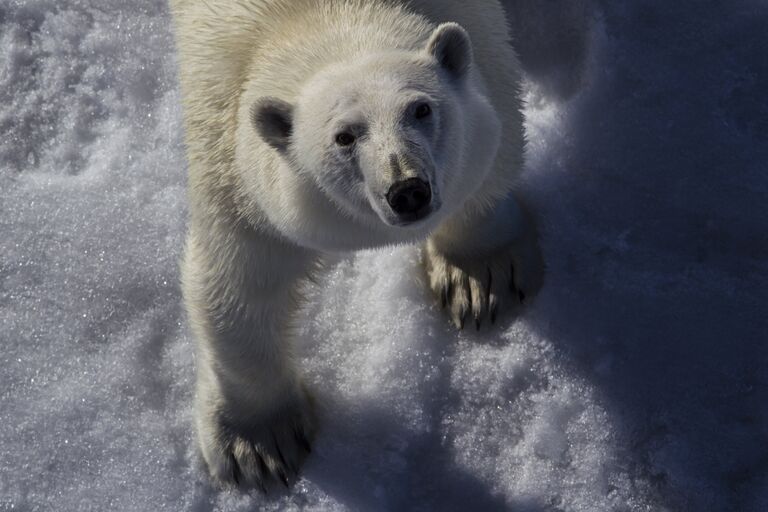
<point>488,290</point>
<point>283,461</point>
<point>302,440</point>
<point>462,317</point>
<point>261,486</point>
<point>235,469</point>
<point>444,298</point>
<point>263,469</point>
<point>283,478</point>
<point>493,314</point>
<point>477,323</point>
<point>277,448</point>
<point>512,286</point>
<point>521,296</point>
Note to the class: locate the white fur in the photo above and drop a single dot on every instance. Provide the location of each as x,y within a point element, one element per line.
<point>264,207</point>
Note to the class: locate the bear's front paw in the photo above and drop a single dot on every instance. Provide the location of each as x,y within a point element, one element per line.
<point>252,450</point>
<point>480,285</point>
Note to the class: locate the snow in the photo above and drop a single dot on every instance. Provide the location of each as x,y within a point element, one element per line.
<point>636,381</point>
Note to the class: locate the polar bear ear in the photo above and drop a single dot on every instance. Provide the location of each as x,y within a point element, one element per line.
<point>273,120</point>
<point>451,46</point>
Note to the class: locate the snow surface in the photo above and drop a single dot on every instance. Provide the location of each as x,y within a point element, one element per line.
<point>638,380</point>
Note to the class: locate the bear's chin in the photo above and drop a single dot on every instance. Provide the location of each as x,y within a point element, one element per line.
<point>409,221</point>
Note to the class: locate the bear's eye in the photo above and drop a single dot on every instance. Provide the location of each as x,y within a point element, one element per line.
<point>422,111</point>
<point>345,139</point>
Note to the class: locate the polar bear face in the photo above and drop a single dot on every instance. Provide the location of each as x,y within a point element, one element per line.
<point>395,140</point>
<point>371,134</point>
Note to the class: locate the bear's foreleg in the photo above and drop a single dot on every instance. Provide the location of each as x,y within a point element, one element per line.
<point>254,418</point>
<point>477,263</point>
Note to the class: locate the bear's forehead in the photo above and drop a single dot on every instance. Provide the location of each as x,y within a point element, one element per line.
<point>373,83</point>
<point>386,98</point>
<point>393,71</point>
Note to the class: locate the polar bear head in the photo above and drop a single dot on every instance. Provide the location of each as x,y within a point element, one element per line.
<point>396,140</point>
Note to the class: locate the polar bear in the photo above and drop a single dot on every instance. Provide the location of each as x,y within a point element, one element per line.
<point>315,127</point>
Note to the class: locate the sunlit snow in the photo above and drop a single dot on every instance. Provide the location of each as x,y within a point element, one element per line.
<point>636,381</point>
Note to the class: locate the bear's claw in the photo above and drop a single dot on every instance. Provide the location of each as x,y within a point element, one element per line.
<point>259,452</point>
<point>476,285</point>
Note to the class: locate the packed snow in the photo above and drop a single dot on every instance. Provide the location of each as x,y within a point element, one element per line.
<point>636,381</point>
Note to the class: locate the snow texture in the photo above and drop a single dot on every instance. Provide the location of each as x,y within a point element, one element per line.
<point>638,380</point>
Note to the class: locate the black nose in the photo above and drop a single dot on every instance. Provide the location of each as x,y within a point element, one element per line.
<point>409,197</point>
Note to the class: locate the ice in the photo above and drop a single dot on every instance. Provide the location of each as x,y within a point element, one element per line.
<point>636,381</point>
